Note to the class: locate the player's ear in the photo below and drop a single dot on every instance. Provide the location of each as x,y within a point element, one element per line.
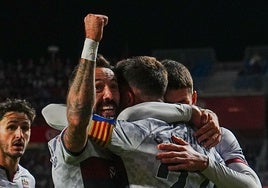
<point>131,97</point>
<point>194,97</point>
<point>127,97</point>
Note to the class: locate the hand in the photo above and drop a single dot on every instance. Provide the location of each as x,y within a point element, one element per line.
<point>210,133</point>
<point>198,117</point>
<point>181,156</point>
<point>94,24</point>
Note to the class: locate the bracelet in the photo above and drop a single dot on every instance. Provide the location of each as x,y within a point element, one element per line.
<point>90,50</point>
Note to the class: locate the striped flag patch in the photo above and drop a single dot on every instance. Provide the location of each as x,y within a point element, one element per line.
<point>100,130</point>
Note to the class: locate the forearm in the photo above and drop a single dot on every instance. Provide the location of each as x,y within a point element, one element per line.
<point>80,101</point>
<point>237,176</point>
<point>169,113</point>
<point>81,98</point>
<point>81,95</point>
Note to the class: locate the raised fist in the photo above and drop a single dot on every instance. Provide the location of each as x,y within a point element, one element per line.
<point>94,24</point>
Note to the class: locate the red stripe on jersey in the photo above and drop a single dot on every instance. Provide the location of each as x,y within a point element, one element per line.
<point>235,160</point>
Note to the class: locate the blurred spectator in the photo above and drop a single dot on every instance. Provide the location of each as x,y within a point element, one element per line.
<point>254,65</point>
<point>39,81</point>
<point>250,77</point>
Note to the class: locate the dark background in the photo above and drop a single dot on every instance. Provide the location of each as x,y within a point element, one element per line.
<point>28,27</point>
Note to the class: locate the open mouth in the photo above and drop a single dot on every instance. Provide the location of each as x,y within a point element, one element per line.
<point>18,146</point>
<point>108,111</point>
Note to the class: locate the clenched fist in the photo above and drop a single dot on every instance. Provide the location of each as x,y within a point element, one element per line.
<point>94,24</point>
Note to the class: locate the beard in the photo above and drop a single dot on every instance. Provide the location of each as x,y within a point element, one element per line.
<point>107,109</point>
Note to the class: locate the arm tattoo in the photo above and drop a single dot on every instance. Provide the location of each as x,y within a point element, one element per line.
<point>80,101</point>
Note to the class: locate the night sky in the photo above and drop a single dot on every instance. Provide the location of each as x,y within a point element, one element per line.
<point>135,27</point>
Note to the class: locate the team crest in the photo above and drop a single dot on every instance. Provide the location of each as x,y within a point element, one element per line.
<point>112,171</point>
<point>25,182</point>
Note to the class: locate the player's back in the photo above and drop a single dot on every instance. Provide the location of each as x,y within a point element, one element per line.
<point>144,169</point>
<point>136,143</point>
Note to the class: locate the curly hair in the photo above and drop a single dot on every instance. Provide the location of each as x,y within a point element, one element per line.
<point>17,105</point>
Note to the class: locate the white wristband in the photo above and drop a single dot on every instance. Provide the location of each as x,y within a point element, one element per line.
<point>90,50</point>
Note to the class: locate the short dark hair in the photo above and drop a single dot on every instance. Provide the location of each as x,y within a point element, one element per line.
<point>143,72</point>
<point>17,105</point>
<point>101,61</point>
<point>179,76</point>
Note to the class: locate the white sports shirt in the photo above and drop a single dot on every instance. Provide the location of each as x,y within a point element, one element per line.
<point>93,167</point>
<point>229,149</point>
<point>22,179</point>
<point>135,142</point>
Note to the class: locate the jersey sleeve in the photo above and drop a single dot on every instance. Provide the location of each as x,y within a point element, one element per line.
<point>229,148</point>
<point>167,112</point>
<point>55,116</point>
<point>120,135</point>
<point>60,154</point>
<point>238,175</point>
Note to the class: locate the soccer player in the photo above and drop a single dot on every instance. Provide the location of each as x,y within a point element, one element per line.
<point>72,166</point>
<point>16,118</point>
<point>136,142</point>
<point>180,90</point>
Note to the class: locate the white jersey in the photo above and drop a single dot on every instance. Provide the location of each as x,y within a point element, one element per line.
<point>135,142</point>
<point>228,148</point>
<point>93,167</point>
<point>22,179</point>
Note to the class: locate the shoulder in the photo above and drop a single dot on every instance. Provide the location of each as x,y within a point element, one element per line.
<point>227,136</point>
<point>229,147</point>
<point>26,176</point>
<point>24,170</point>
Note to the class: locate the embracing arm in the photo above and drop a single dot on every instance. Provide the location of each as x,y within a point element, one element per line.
<point>206,121</point>
<point>230,150</point>
<point>181,156</point>
<point>209,134</point>
<point>164,111</point>
<point>118,135</point>
<point>167,112</point>
<point>237,175</point>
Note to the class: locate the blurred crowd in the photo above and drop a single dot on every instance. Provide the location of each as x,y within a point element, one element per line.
<point>40,81</point>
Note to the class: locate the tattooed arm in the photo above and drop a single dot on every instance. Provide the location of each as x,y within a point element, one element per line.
<point>81,94</point>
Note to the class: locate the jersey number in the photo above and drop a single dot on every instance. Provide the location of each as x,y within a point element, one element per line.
<point>163,173</point>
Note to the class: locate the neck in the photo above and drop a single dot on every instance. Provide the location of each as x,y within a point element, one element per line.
<point>10,165</point>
